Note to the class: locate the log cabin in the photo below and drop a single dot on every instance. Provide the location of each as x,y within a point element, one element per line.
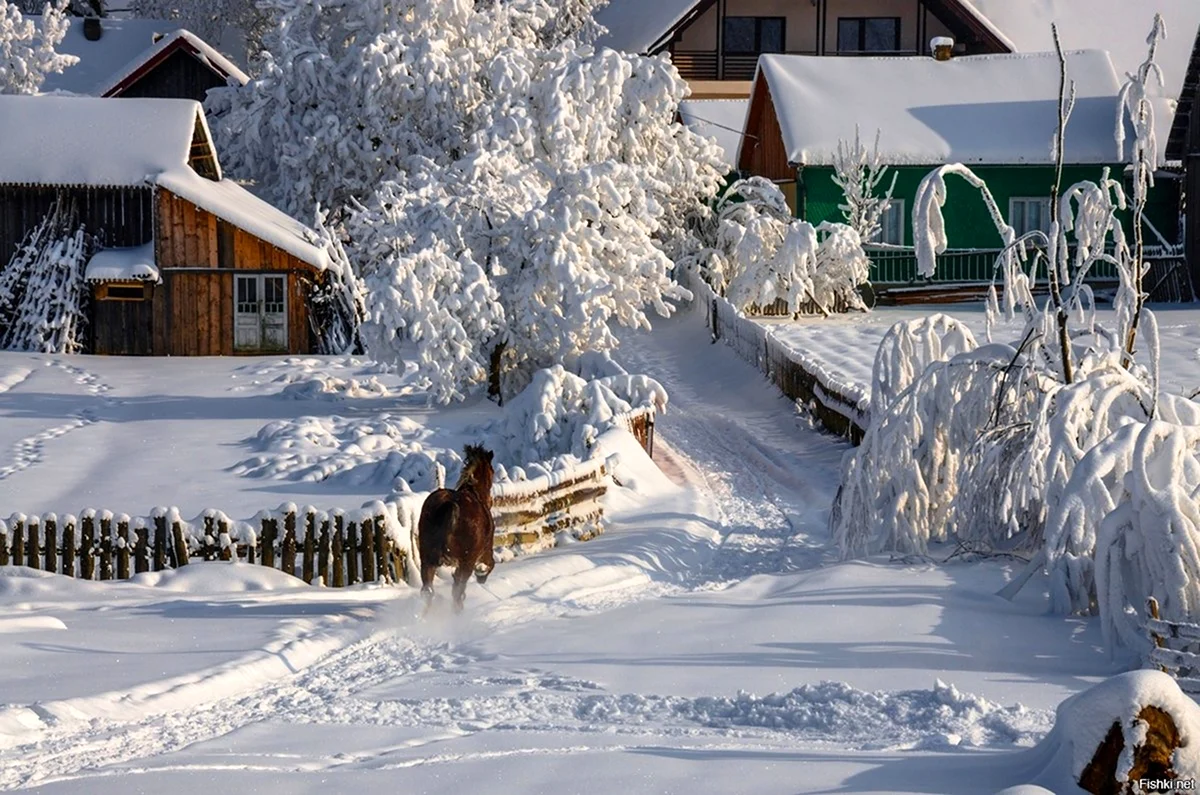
<point>189,263</point>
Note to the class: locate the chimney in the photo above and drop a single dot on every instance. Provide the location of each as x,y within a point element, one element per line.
<point>943,48</point>
<point>91,28</point>
<point>157,37</point>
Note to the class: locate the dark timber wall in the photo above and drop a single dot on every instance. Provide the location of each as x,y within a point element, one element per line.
<point>179,76</point>
<point>122,216</point>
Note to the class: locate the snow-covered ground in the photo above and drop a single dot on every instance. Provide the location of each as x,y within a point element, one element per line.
<point>707,642</point>
<point>846,344</point>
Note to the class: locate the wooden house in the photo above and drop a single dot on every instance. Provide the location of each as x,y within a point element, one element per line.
<point>190,263</point>
<point>140,58</point>
<point>998,114</point>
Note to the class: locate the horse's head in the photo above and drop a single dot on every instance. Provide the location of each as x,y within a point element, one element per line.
<point>477,470</point>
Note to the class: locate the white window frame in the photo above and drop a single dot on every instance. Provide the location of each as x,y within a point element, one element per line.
<point>894,205</point>
<point>1023,228</point>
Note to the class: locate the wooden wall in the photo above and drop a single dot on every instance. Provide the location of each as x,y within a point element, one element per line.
<point>179,76</point>
<point>764,154</point>
<point>122,328</point>
<point>121,216</point>
<point>1191,190</point>
<point>193,307</point>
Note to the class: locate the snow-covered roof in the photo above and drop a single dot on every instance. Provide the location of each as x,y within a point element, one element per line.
<point>637,25</point>
<point>65,140</point>
<point>120,43</point>
<point>123,265</point>
<point>723,119</point>
<point>1119,26</point>
<point>233,203</point>
<point>985,109</point>
<point>179,39</point>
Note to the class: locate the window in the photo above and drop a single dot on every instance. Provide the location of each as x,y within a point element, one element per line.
<point>753,35</point>
<point>869,34</point>
<point>1027,214</point>
<point>120,292</point>
<point>891,224</point>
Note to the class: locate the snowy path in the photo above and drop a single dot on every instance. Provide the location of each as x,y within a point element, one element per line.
<point>771,474</point>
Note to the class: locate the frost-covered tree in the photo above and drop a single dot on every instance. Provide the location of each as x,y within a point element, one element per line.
<point>212,19</point>
<point>754,253</point>
<point>503,198</point>
<point>27,50</point>
<point>42,288</point>
<point>859,172</point>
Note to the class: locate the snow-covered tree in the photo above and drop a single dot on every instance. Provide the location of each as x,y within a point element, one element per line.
<point>42,289</point>
<point>27,50</point>
<point>859,172</point>
<point>338,298</point>
<point>212,19</point>
<point>754,253</point>
<point>504,199</point>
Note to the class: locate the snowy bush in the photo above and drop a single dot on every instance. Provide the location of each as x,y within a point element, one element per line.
<point>508,194</point>
<point>859,173</point>
<point>338,300</point>
<point>42,292</point>
<point>755,253</point>
<point>27,50</point>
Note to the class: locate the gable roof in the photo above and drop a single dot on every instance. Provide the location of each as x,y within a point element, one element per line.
<point>1119,26</point>
<point>984,109</point>
<point>88,141</point>
<point>121,41</point>
<point>176,41</point>
<point>722,119</point>
<point>66,140</point>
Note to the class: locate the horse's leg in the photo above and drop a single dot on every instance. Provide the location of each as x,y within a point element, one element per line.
<point>462,575</point>
<point>428,572</point>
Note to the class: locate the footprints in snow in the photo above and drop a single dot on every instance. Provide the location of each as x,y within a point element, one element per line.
<point>28,452</point>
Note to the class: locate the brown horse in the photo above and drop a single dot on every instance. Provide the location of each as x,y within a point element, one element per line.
<point>456,528</point>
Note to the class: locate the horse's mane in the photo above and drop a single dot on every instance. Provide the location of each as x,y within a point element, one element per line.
<point>476,471</point>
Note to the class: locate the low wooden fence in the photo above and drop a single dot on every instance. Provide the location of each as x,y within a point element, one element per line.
<point>839,406</point>
<point>640,423</point>
<point>1175,648</point>
<point>530,513</point>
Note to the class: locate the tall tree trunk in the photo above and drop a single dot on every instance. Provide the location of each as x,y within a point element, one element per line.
<point>495,391</point>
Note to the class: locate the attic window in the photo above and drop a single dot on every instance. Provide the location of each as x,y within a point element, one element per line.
<point>201,158</point>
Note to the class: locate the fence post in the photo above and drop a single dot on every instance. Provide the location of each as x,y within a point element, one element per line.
<point>367,528</point>
<point>50,548</point>
<point>310,543</point>
<point>32,536</point>
<point>106,548</point>
<point>68,546</point>
<point>179,547</point>
<point>351,553</point>
<point>3,543</point>
<point>384,549</point>
<point>1152,604</point>
<point>87,547</point>
<point>141,549</point>
<point>123,550</point>
<point>18,543</point>
<point>288,559</point>
<point>160,541</point>
<point>339,559</point>
<point>224,539</point>
<point>323,551</point>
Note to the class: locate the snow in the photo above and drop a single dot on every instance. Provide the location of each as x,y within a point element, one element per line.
<point>128,140</point>
<point>122,265</point>
<point>985,109</point>
<point>229,201</point>
<point>191,43</point>
<point>1118,26</point>
<point>636,26</point>
<point>121,42</point>
<point>709,626</point>
<point>722,119</point>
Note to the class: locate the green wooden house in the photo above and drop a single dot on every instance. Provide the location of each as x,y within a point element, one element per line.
<point>997,114</point>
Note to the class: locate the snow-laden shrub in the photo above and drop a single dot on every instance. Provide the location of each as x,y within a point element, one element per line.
<point>338,297</point>
<point>27,50</point>
<point>755,253</point>
<point>562,414</point>
<point>42,292</point>
<point>859,172</point>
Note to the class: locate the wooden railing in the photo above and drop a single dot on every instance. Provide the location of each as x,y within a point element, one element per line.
<point>1175,648</point>
<point>706,65</point>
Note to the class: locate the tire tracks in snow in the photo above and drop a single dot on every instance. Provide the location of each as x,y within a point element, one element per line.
<point>28,452</point>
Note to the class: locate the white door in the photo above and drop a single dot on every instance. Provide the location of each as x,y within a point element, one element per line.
<point>260,313</point>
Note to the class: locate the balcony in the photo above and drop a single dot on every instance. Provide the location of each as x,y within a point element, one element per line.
<point>705,65</point>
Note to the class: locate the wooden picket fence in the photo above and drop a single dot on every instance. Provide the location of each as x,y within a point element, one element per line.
<point>1175,648</point>
<point>374,544</point>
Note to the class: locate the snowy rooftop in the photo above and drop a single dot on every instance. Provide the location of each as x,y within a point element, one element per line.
<point>191,43</point>
<point>123,265</point>
<point>1119,26</point>
<point>717,118</point>
<point>637,25</point>
<point>61,140</point>
<point>122,41</point>
<point>987,109</point>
